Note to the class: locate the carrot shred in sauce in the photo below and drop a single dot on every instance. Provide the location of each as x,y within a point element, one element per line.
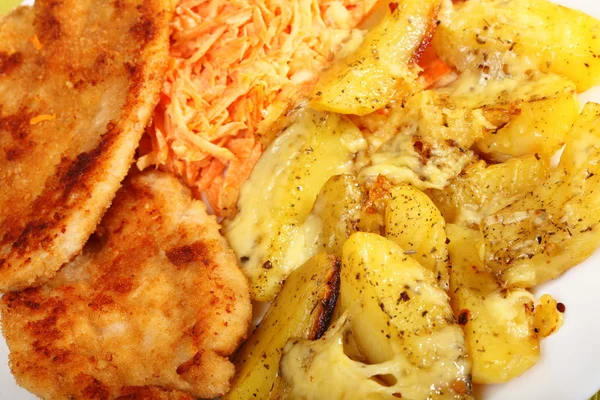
<point>236,67</point>
<point>434,68</point>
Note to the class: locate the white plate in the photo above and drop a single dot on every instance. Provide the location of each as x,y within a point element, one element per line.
<point>570,365</point>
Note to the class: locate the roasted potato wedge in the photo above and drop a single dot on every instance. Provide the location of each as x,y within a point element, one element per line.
<point>302,309</point>
<point>339,208</point>
<point>414,223</point>
<point>482,189</point>
<point>541,128</point>
<point>498,324</point>
<point>272,234</point>
<point>398,312</point>
<point>511,37</point>
<point>383,67</point>
<point>524,115</point>
<point>556,225</point>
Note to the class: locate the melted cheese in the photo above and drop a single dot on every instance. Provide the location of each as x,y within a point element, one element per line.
<point>321,369</point>
<point>400,163</point>
<point>273,233</point>
<point>401,319</point>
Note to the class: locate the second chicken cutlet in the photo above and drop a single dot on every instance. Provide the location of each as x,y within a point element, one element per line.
<point>151,309</point>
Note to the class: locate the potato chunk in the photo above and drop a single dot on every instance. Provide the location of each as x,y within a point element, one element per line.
<point>339,208</point>
<point>272,234</point>
<point>526,115</point>
<point>396,306</point>
<point>302,309</point>
<point>383,67</point>
<point>512,37</point>
<point>541,128</point>
<point>556,225</point>
<point>413,222</point>
<point>482,190</point>
<point>498,324</point>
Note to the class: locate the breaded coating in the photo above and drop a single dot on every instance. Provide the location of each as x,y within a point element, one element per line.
<point>155,300</point>
<point>78,82</point>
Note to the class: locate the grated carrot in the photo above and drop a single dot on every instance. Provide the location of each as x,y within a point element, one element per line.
<point>236,67</point>
<point>434,68</point>
<point>41,118</point>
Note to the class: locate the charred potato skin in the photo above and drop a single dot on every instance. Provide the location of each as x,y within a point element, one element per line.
<point>325,307</point>
<point>303,309</point>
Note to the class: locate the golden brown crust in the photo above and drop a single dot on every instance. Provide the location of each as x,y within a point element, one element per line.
<point>78,82</point>
<point>156,299</point>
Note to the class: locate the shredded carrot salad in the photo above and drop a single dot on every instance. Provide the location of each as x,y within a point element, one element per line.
<point>236,67</point>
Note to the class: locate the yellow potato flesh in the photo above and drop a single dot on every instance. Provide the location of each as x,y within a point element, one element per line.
<point>382,68</point>
<point>498,324</point>
<point>414,222</point>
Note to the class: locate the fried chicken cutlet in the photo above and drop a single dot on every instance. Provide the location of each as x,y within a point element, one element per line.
<point>155,300</point>
<point>78,83</point>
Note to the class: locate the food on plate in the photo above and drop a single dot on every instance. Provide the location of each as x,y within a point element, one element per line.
<point>340,208</point>
<point>499,324</point>
<point>401,320</point>
<point>440,127</point>
<point>237,68</point>
<point>445,205</point>
<point>78,83</point>
<point>556,225</point>
<point>321,369</point>
<point>539,127</point>
<point>273,233</point>
<point>425,161</point>
<point>530,114</point>
<point>384,67</point>
<point>514,37</point>
<point>481,189</point>
<point>414,223</point>
<point>155,302</point>
<point>302,309</point>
